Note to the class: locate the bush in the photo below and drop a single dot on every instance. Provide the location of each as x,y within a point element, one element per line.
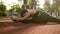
<point>2,15</point>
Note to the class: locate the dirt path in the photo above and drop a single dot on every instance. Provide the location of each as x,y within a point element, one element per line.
<point>18,28</point>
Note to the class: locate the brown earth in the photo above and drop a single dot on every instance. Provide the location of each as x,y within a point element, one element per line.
<point>8,27</point>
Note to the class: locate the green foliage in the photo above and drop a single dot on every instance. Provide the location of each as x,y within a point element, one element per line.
<point>16,9</point>
<point>30,4</point>
<point>2,9</point>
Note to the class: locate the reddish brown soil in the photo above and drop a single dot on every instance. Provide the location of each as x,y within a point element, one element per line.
<point>8,27</point>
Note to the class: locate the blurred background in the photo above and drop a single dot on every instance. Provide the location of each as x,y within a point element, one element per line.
<point>10,8</point>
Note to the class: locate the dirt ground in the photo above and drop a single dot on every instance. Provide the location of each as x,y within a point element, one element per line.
<point>8,27</point>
